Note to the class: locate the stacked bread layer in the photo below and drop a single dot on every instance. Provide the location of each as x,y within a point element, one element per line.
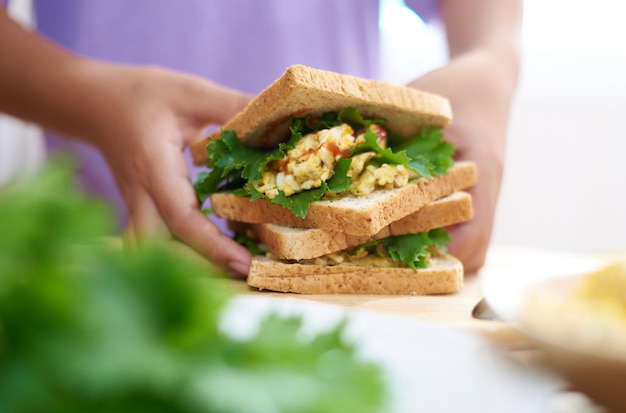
<point>340,223</point>
<point>348,222</point>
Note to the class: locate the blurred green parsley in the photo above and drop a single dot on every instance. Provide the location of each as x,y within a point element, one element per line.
<point>87,328</point>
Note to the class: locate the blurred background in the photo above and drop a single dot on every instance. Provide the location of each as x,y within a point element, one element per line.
<point>566,153</point>
<point>565,169</point>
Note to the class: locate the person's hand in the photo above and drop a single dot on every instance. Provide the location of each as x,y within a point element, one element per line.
<point>140,118</point>
<point>480,96</point>
<point>145,119</point>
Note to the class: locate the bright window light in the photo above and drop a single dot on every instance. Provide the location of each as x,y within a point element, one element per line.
<point>395,16</point>
<point>409,47</point>
<point>588,27</point>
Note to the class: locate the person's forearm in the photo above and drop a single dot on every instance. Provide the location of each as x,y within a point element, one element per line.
<point>490,28</point>
<point>42,83</point>
<point>484,47</point>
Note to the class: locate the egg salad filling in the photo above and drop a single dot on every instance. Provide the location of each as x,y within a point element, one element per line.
<point>360,258</point>
<point>400,251</point>
<point>326,155</point>
<point>313,160</point>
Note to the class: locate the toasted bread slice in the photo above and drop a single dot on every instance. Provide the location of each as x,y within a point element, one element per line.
<point>304,243</point>
<point>350,214</point>
<point>444,275</point>
<point>303,90</point>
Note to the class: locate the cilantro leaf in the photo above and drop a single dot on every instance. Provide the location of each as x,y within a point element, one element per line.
<point>299,203</point>
<point>384,155</point>
<point>429,154</point>
<point>301,126</point>
<point>230,155</point>
<point>411,249</point>
<point>206,184</point>
<point>232,164</point>
<point>250,190</point>
<point>86,326</point>
<point>298,375</point>
<point>353,117</point>
<point>309,123</point>
<point>439,238</point>
<point>250,243</point>
<point>340,181</point>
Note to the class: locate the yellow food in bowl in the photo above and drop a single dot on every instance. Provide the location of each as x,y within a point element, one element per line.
<point>579,326</point>
<point>585,313</point>
<point>605,291</point>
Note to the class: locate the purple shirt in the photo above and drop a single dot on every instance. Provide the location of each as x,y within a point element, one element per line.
<point>243,44</point>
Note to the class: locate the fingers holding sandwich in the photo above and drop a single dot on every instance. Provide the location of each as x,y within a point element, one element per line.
<point>479,90</point>
<point>471,239</point>
<point>167,205</point>
<point>194,229</point>
<point>485,146</point>
<point>158,113</point>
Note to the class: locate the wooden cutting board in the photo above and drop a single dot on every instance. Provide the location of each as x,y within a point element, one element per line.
<point>453,310</point>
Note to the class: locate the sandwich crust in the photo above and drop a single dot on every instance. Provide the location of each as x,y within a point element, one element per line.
<point>364,216</point>
<point>304,243</point>
<point>443,276</point>
<point>303,90</point>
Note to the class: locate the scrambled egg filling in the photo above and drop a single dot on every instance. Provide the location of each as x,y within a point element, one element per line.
<point>313,161</point>
<point>360,257</point>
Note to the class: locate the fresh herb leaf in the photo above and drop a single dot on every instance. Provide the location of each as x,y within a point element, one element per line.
<point>244,191</point>
<point>387,155</point>
<point>278,370</point>
<point>411,249</point>
<point>301,126</point>
<point>250,190</point>
<point>439,238</point>
<point>86,326</point>
<point>340,181</point>
<point>299,203</point>
<point>430,154</point>
<point>233,164</point>
<point>202,186</point>
<point>250,243</point>
<point>310,124</point>
<point>238,157</point>
<point>353,117</point>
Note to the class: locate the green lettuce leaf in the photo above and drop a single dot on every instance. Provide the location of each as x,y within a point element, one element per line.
<point>430,154</point>
<point>233,164</point>
<point>250,243</point>
<point>299,203</point>
<point>351,116</point>
<point>411,249</point>
<point>340,181</point>
<point>230,161</point>
<point>387,155</point>
<point>88,327</point>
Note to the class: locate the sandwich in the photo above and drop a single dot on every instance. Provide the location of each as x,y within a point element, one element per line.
<point>337,166</point>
